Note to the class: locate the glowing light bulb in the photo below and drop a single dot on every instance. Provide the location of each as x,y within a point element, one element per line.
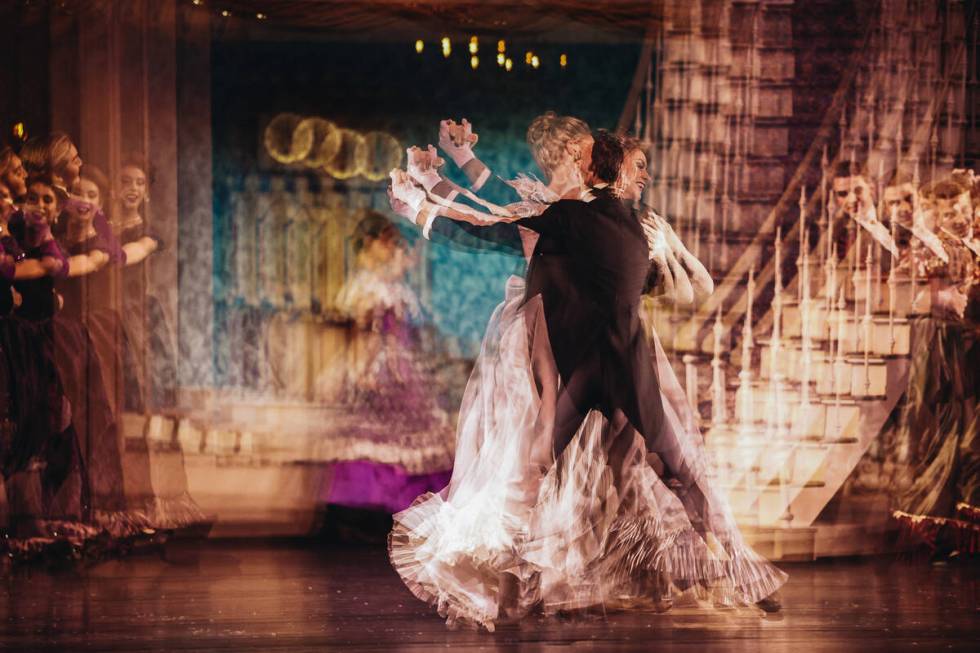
<point>474,45</point>
<point>501,46</point>
<point>419,46</point>
<point>447,46</point>
<point>474,62</point>
<point>535,62</point>
<point>563,60</point>
<point>197,3</point>
<point>20,131</point>
<point>527,57</point>
<point>225,13</point>
<point>500,58</point>
<point>508,64</point>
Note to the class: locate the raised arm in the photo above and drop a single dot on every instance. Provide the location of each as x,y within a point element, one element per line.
<point>457,140</point>
<point>423,197</point>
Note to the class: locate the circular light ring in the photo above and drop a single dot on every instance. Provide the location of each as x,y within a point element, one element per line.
<point>384,152</point>
<point>284,142</point>
<point>351,158</point>
<point>326,141</point>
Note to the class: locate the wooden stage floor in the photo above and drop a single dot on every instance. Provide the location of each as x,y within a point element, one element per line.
<point>296,596</point>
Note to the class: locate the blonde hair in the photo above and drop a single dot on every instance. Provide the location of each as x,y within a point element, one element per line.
<point>49,155</point>
<point>59,152</point>
<point>548,137</point>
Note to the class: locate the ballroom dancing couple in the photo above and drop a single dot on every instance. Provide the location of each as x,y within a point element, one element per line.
<point>580,479</point>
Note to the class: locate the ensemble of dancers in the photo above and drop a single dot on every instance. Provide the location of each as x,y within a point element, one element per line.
<point>580,478</point>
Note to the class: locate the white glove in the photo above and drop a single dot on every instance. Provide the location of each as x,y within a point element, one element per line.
<point>405,190</point>
<point>423,166</point>
<point>457,141</point>
<point>400,207</point>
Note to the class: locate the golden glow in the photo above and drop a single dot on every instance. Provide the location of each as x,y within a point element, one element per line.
<point>563,60</point>
<point>500,58</point>
<point>384,152</point>
<point>20,131</point>
<point>289,138</point>
<point>225,13</point>
<point>198,3</point>
<point>474,62</point>
<point>508,64</point>
<point>501,46</point>
<point>325,140</point>
<point>535,62</point>
<point>261,16</point>
<point>419,46</point>
<point>474,45</point>
<point>351,159</point>
<point>447,46</point>
<point>527,57</point>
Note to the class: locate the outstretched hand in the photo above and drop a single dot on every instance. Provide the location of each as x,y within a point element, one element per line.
<point>423,166</point>
<point>457,140</point>
<point>401,208</point>
<point>406,197</point>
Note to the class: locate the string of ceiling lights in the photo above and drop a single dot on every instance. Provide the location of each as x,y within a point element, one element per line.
<point>531,58</point>
<point>227,13</point>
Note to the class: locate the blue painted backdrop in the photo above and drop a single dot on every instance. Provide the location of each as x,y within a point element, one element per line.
<point>387,86</point>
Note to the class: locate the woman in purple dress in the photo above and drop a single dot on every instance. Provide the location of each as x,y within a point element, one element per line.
<point>388,382</point>
<point>43,467</point>
<point>151,373</point>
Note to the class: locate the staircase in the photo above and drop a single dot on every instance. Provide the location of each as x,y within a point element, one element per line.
<point>799,394</point>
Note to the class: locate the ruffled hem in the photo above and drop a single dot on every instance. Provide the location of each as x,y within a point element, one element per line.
<point>177,513</point>
<point>639,563</point>
<point>517,532</point>
<point>70,542</point>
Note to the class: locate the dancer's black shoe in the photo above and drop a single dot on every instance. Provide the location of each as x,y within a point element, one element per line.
<point>770,604</point>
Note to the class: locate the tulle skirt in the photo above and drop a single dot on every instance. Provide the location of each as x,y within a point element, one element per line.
<point>516,531</point>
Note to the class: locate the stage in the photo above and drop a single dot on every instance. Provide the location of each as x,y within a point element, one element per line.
<point>233,595</point>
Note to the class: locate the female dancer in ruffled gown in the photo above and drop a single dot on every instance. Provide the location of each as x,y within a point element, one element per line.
<point>551,506</point>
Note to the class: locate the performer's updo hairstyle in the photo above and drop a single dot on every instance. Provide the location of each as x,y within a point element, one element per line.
<point>548,137</point>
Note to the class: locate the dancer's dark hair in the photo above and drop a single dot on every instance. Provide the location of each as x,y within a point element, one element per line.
<point>608,152</point>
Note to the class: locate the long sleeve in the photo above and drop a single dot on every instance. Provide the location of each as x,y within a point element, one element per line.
<point>498,237</point>
<point>111,244</point>
<point>553,220</point>
<point>51,248</point>
<point>502,236</point>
